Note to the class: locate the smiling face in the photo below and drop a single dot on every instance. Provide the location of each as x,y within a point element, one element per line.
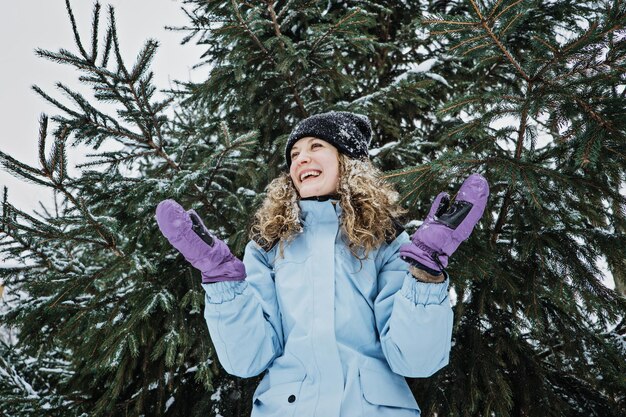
<point>314,167</point>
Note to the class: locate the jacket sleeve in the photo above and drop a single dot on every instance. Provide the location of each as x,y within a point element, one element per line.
<point>414,318</point>
<point>244,319</point>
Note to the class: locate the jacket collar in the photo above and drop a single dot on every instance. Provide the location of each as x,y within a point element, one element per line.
<point>320,209</point>
<point>322,197</point>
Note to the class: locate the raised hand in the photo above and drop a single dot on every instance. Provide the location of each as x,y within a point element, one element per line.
<point>447,225</point>
<point>186,232</point>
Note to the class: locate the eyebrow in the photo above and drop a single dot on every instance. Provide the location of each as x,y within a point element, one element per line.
<point>314,140</point>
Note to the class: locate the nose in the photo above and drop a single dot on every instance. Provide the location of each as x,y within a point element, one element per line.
<point>302,158</point>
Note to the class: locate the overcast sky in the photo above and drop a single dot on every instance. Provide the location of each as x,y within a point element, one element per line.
<point>29,24</point>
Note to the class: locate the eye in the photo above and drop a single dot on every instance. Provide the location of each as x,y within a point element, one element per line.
<point>316,145</point>
<point>294,154</point>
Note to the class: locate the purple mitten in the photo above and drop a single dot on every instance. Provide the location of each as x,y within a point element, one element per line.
<point>446,226</point>
<point>186,232</point>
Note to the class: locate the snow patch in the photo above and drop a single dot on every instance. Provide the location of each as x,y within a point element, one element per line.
<point>169,403</point>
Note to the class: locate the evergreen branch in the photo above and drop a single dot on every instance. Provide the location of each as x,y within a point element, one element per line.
<point>60,155</point>
<point>144,129</point>
<point>25,245</point>
<point>116,160</point>
<point>65,57</point>
<point>623,156</point>
<point>595,116</point>
<point>43,132</point>
<point>521,165</point>
<point>220,159</point>
<point>455,105</point>
<point>429,175</point>
<point>55,102</point>
<point>505,51</point>
<point>158,148</point>
<point>448,31</point>
<point>448,22</point>
<point>404,172</point>
<point>79,99</point>
<point>41,230</point>
<point>503,31</point>
<point>332,29</point>
<point>522,128</point>
<point>277,31</point>
<point>159,151</point>
<point>292,84</point>
<point>507,8</point>
<point>72,288</point>
<point>144,58</point>
<point>94,33</point>
<point>285,9</point>
<point>560,53</point>
<point>75,29</point>
<point>545,43</point>
<point>108,41</point>
<point>116,45</point>
<point>25,171</point>
<point>464,126</point>
<point>493,10</point>
<point>476,9</point>
<point>480,46</point>
<point>530,189</point>
<point>109,243</point>
<point>5,205</point>
<point>585,36</point>
<point>100,229</point>
<point>52,160</point>
<point>118,132</point>
<point>245,26</point>
<point>501,220</point>
<point>466,41</point>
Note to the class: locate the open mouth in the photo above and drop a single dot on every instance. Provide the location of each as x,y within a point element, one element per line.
<point>308,175</point>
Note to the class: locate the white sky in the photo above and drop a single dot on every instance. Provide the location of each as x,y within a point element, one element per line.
<point>29,24</point>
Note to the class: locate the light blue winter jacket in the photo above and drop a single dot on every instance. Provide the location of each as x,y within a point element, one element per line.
<point>334,336</point>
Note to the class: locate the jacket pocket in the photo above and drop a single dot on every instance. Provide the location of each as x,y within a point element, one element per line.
<point>384,388</point>
<point>278,400</point>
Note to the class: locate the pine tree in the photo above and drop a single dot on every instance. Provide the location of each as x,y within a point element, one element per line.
<point>111,308</point>
<point>531,94</point>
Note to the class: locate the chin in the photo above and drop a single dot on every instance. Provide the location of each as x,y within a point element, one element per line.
<point>311,193</point>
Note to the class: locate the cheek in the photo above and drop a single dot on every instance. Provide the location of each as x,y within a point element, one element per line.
<point>293,177</point>
<point>334,174</point>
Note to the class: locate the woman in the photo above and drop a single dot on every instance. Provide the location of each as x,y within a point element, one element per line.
<point>332,300</point>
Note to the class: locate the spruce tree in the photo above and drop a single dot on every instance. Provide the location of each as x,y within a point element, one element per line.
<point>531,94</point>
<point>111,322</point>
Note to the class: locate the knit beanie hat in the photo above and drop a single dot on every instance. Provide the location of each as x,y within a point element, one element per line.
<point>349,132</point>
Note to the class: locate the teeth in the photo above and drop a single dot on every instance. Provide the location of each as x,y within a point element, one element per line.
<point>308,174</point>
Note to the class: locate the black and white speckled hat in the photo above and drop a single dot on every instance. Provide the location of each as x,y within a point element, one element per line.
<point>349,132</point>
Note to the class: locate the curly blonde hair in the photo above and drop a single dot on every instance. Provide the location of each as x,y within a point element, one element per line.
<point>369,205</point>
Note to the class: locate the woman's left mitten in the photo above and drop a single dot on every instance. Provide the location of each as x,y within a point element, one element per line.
<point>186,232</point>
<point>447,225</point>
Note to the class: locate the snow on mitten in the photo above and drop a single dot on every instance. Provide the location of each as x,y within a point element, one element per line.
<point>186,232</point>
<point>446,226</point>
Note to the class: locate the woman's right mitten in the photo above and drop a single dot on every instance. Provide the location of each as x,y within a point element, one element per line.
<point>186,232</point>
